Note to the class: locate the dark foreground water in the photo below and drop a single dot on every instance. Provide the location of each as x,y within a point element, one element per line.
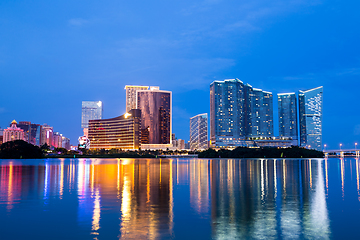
<point>179,198</point>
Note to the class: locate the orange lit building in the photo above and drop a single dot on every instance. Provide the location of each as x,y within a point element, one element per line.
<point>120,132</point>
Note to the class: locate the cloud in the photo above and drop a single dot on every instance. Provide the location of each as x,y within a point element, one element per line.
<point>77,22</point>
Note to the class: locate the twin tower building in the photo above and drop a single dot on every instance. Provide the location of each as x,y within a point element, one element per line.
<point>241,115</point>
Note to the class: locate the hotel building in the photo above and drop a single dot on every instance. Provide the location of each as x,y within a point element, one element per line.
<point>121,132</point>
<point>287,112</point>
<point>131,95</point>
<point>32,132</point>
<point>156,120</point>
<point>310,118</point>
<point>91,110</point>
<point>237,112</point>
<point>13,133</point>
<point>199,132</point>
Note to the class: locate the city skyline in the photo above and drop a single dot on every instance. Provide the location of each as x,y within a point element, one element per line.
<point>93,52</point>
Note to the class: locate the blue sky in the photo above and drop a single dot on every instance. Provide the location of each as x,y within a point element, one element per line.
<point>54,54</point>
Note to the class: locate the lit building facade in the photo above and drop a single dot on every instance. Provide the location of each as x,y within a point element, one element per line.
<point>91,110</point>
<point>199,132</point>
<point>156,120</point>
<point>131,95</point>
<point>287,112</point>
<point>13,133</point>
<point>227,115</point>
<point>32,132</point>
<point>121,132</point>
<point>46,135</point>
<point>310,118</point>
<point>239,111</point>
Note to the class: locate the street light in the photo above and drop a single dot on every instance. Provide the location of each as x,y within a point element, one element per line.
<point>340,145</point>
<point>355,146</point>
<point>324,147</point>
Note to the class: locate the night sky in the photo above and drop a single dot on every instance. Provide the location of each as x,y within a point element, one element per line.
<point>54,54</point>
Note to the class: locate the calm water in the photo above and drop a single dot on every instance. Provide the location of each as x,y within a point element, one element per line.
<point>180,199</point>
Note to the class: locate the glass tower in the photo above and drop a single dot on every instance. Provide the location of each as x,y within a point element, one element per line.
<point>199,132</point>
<point>32,132</point>
<point>259,112</point>
<point>155,106</point>
<point>91,110</point>
<point>227,115</point>
<point>310,118</point>
<point>287,109</point>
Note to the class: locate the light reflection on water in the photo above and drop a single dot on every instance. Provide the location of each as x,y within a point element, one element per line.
<point>180,198</point>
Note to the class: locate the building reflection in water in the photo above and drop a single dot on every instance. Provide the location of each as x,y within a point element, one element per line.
<point>263,198</point>
<point>268,199</point>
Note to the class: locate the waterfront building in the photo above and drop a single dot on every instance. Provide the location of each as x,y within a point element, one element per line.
<point>310,118</point>
<point>178,144</point>
<point>46,135</point>
<point>13,133</point>
<point>156,120</point>
<point>131,95</point>
<point>287,112</point>
<point>199,132</point>
<point>91,110</point>
<point>227,115</point>
<point>32,132</point>
<point>238,111</point>
<point>121,132</point>
<point>259,112</point>
<point>1,136</point>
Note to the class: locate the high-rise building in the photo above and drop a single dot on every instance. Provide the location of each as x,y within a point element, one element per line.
<point>199,132</point>
<point>227,115</point>
<point>91,110</point>
<point>13,133</point>
<point>131,95</point>
<point>32,132</point>
<point>259,112</point>
<point>287,111</point>
<point>121,132</point>
<point>238,111</point>
<point>156,120</point>
<point>47,135</point>
<point>310,118</point>
<point>1,136</point>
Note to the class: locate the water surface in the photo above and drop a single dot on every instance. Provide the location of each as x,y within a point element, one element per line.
<point>180,199</point>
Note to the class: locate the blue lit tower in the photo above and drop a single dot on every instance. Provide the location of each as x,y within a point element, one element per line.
<point>310,118</point>
<point>259,112</point>
<point>199,132</point>
<point>287,109</point>
<point>227,115</point>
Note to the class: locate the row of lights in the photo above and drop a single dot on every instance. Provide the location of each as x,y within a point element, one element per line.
<point>340,146</point>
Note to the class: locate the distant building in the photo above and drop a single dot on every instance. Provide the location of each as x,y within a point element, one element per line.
<point>178,144</point>
<point>91,110</point>
<point>1,136</point>
<point>46,135</point>
<point>287,112</point>
<point>199,132</point>
<point>131,95</point>
<point>121,132</point>
<point>238,111</point>
<point>155,106</point>
<point>32,132</point>
<point>310,118</point>
<point>13,133</point>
